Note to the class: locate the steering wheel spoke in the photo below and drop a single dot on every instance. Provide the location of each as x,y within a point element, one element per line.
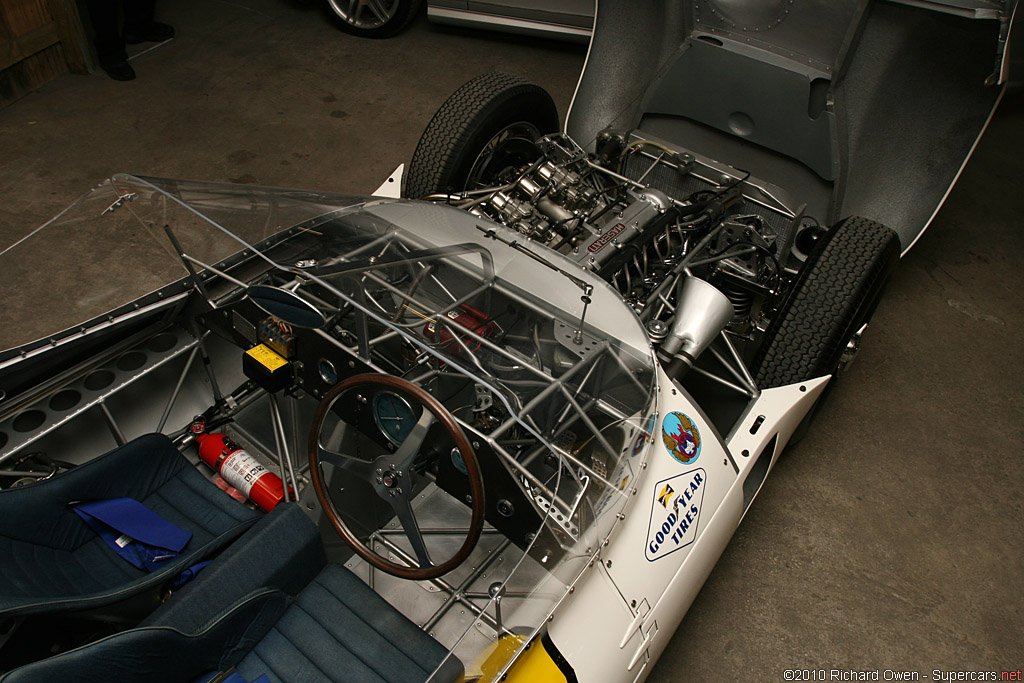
<point>343,441</point>
<point>391,473</point>
<point>402,505</point>
<point>410,448</point>
<point>356,466</point>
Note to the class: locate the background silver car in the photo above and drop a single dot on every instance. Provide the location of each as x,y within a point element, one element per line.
<point>567,19</point>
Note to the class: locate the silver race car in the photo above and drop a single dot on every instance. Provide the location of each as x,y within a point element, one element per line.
<point>501,428</point>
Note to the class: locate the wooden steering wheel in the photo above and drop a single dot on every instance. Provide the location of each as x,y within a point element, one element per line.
<point>391,475</point>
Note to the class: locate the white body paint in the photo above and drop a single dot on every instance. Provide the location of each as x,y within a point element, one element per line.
<point>639,602</point>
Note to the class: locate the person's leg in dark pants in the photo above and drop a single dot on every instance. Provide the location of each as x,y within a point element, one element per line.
<point>139,26</point>
<point>105,16</point>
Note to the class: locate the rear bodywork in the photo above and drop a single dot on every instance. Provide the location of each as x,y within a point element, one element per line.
<point>854,107</point>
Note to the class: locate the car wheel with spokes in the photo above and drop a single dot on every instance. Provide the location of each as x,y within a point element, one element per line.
<point>374,18</point>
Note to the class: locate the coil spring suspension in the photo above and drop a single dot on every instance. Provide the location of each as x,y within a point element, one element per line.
<point>742,301</point>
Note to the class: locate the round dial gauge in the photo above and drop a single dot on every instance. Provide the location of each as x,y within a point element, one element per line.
<point>394,416</point>
<point>327,372</point>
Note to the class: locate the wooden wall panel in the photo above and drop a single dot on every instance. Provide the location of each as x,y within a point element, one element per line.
<point>39,40</point>
<point>30,73</point>
<point>22,16</point>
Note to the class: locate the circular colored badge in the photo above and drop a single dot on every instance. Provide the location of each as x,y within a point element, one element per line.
<point>638,445</point>
<point>681,437</point>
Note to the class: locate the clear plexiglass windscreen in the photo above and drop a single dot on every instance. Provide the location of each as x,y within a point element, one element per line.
<point>545,370</point>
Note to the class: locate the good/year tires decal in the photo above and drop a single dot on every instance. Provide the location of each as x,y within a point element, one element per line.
<point>675,513</point>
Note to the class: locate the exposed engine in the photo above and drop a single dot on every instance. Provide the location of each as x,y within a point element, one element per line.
<point>620,213</point>
<point>561,202</point>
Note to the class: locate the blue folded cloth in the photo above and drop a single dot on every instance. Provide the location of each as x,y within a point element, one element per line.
<point>133,531</point>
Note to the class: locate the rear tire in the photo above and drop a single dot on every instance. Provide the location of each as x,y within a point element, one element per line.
<point>485,126</point>
<point>834,296</point>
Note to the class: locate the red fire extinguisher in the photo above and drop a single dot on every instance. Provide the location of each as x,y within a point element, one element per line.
<point>241,470</point>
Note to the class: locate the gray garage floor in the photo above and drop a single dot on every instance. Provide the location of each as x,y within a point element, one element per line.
<point>891,538</point>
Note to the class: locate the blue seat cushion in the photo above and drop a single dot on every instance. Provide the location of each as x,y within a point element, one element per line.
<point>52,561</point>
<point>239,613</point>
<point>339,629</point>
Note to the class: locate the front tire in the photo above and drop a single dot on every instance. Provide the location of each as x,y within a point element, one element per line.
<point>485,127</point>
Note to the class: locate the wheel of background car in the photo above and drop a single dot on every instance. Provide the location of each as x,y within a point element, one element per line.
<point>818,326</point>
<point>391,476</point>
<point>374,18</point>
<point>486,126</point>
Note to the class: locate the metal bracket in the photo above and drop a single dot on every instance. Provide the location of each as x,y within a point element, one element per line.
<point>118,202</point>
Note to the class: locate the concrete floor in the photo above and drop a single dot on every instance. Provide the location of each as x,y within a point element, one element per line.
<point>890,538</point>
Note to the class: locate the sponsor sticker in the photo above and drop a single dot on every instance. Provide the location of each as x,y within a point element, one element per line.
<point>638,445</point>
<point>681,437</point>
<point>623,475</point>
<point>675,513</point>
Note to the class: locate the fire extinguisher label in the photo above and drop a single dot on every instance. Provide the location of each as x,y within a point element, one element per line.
<point>241,470</point>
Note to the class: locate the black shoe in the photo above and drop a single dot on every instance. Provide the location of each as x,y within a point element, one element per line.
<point>120,71</point>
<point>154,32</point>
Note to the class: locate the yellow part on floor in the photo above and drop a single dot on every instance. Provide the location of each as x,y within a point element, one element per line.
<point>534,664</point>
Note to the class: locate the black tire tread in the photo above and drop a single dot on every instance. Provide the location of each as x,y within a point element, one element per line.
<point>848,267</point>
<point>457,123</point>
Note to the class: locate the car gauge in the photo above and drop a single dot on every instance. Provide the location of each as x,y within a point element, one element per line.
<point>394,416</point>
